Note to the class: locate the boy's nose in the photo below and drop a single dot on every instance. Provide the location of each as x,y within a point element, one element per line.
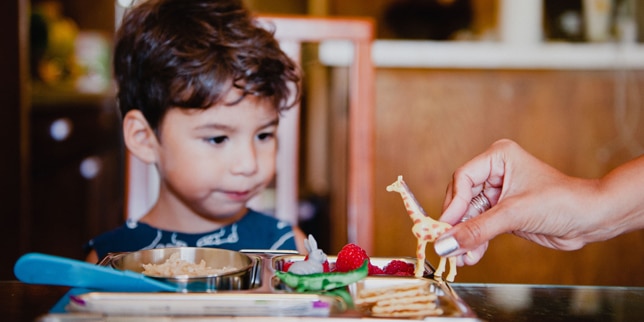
<point>245,161</point>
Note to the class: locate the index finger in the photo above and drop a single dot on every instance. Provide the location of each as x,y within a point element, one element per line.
<point>468,181</point>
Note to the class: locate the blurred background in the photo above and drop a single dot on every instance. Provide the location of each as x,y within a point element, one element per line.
<point>562,78</point>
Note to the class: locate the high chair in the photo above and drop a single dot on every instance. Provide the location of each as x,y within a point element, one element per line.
<point>292,32</point>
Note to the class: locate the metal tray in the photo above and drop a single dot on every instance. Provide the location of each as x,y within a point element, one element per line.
<point>239,275</point>
<point>234,303</point>
<point>267,296</point>
<point>278,262</point>
<point>449,303</point>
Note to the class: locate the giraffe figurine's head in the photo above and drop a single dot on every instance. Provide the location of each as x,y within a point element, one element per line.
<point>397,186</point>
<point>411,204</point>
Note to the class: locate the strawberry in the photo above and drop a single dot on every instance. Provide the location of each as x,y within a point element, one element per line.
<point>399,268</point>
<point>350,257</point>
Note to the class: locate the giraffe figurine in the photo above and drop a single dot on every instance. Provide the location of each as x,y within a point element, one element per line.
<point>425,229</point>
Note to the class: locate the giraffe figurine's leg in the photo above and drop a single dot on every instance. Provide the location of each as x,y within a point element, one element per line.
<point>438,274</point>
<point>452,269</point>
<point>420,262</point>
<point>420,256</point>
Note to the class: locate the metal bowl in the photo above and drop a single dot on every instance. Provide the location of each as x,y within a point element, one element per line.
<point>240,278</point>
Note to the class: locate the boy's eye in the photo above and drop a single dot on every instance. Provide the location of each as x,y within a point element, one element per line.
<point>216,139</point>
<point>266,136</point>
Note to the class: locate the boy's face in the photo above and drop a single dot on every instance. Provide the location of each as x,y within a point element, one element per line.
<point>213,161</point>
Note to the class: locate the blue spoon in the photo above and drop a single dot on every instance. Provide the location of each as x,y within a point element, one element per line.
<point>37,268</point>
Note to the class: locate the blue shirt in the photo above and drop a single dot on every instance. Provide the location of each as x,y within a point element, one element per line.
<point>254,231</point>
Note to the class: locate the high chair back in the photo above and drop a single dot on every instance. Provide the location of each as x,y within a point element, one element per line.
<point>292,32</point>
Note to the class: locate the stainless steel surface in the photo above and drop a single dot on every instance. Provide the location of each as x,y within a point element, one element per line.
<point>490,302</point>
<point>528,302</point>
<point>265,291</point>
<point>207,304</point>
<point>448,301</point>
<point>278,262</point>
<point>240,278</point>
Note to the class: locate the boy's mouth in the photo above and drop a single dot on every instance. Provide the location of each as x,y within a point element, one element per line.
<point>238,195</point>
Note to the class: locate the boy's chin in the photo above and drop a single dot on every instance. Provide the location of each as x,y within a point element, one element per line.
<point>228,215</point>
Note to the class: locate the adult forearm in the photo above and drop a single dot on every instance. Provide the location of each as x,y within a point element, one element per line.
<point>622,196</point>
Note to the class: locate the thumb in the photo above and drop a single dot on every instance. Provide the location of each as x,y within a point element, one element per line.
<point>469,235</point>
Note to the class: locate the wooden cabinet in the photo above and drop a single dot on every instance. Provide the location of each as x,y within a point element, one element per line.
<point>14,156</point>
<point>47,204</point>
<point>76,175</point>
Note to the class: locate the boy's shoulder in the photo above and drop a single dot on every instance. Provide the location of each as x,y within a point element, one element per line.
<point>255,230</point>
<point>130,236</point>
<point>136,228</point>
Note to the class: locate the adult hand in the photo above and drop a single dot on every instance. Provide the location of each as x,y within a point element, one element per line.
<point>534,201</point>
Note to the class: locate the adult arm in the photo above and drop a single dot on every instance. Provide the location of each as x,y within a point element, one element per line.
<point>537,202</point>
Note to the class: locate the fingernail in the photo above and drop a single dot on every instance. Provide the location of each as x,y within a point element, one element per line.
<point>446,246</point>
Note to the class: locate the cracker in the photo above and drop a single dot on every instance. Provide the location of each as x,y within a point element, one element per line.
<point>389,295</point>
<point>430,298</point>
<point>405,314</point>
<point>406,300</point>
<point>370,292</point>
<point>403,307</point>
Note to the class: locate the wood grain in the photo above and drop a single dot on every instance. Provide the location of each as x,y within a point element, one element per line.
<point>584,123</point>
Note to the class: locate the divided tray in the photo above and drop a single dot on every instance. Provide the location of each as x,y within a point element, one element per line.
<point>265,296</point>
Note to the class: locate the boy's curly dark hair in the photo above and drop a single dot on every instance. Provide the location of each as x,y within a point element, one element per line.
<point>190,53</point>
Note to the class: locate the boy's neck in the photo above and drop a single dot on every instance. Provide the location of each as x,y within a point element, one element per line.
<point>187,222</point>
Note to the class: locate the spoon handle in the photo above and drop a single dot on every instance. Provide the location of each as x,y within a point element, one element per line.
<point>37,268</point>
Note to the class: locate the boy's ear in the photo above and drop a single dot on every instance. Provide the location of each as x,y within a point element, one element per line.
<point>139,137</point>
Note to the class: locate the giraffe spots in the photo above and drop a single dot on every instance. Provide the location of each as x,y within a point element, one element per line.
<point>425,228</point>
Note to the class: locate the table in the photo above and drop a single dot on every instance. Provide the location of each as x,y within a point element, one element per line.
<point>517,302</point>
<point>26,302</point>
<point>491,302</point>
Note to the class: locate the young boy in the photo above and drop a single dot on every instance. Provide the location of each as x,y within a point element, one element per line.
<point>200,88</point>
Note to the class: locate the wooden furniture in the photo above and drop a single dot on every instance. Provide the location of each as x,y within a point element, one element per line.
<point>28,302</point>
<point>292,32</point>
<point>14,128</point>
<point>76,175</point>
<point>48,206</point>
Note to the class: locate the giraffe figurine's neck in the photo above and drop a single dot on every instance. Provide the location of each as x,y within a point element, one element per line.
<point>412,205</point>
<point>425,230</point>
